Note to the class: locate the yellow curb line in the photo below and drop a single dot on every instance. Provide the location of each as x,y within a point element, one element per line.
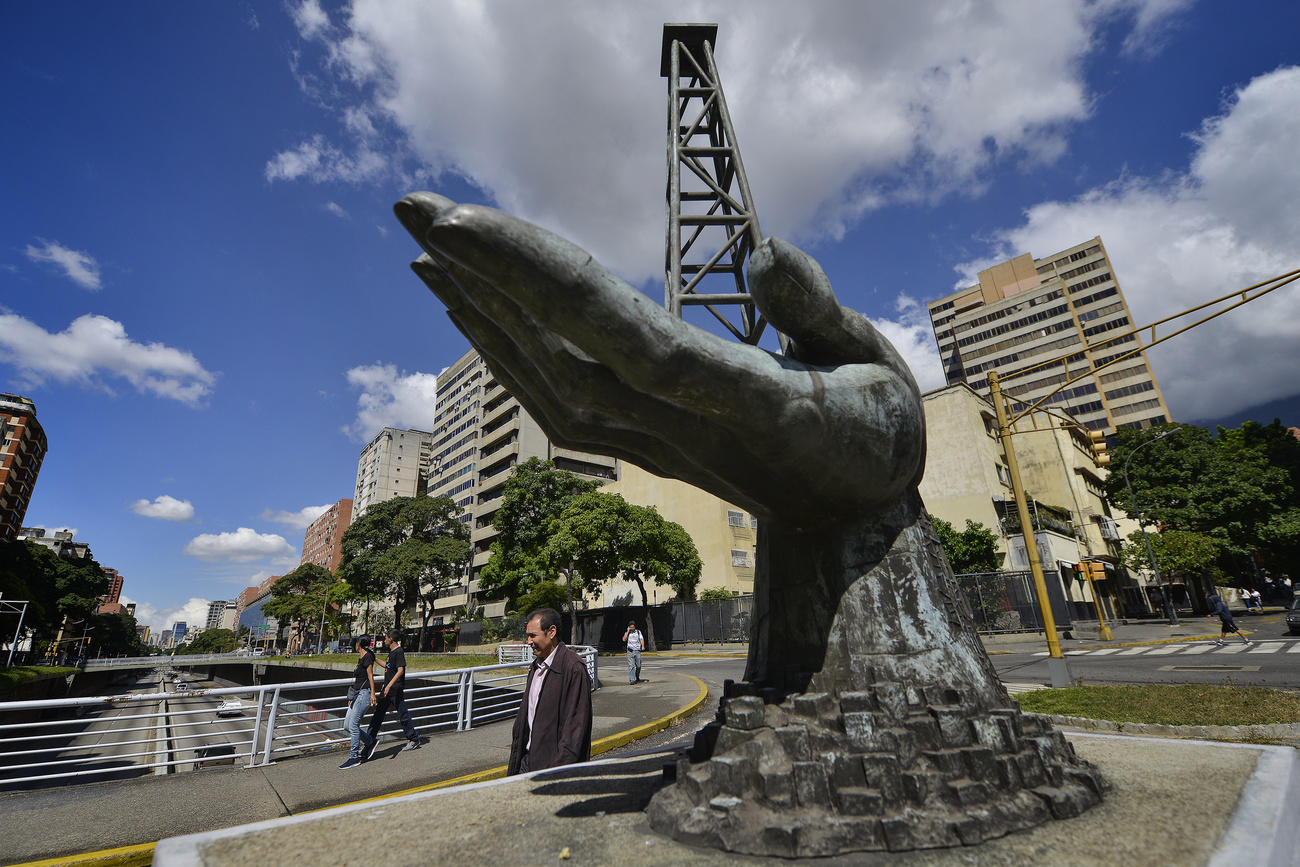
<point>142,854</point>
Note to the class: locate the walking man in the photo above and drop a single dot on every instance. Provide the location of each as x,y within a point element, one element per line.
<point>553,725</point>
<point>360,695</point>
<point>1217,606</point>
<point>392,696</point>
<point>634,641</point>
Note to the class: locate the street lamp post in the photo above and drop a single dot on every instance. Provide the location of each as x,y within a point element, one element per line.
<point>1164,593</point>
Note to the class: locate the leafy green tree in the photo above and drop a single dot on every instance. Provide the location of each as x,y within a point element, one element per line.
<point>600,536</point>
<point>1178,553</point>
<point>55,587</point>
<point>974,549</point>
<point>394,549</point>
<point>211,641</point>
<point>533,498</point>
<point>299,599</point>
<point>715,594</point>
<point>543,594</point>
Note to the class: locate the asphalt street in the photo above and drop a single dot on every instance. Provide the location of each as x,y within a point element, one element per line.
<point>1272,660</point>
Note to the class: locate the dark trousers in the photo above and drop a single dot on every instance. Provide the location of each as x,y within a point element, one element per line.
<point>397,700</point>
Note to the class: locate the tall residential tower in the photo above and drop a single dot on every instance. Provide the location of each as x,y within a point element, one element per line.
<point>1026,311</point>
<point>22,448</point>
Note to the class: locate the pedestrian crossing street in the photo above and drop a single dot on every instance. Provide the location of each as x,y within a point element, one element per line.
<point>1190,648</point>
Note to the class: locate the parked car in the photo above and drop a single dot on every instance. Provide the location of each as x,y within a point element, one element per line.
<point>230,706</point>
<point>1293,617</point>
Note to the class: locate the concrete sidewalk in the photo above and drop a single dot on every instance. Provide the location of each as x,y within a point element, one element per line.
<point>1171,803</point>
<point>101,816</point>
<point>1137,633</point>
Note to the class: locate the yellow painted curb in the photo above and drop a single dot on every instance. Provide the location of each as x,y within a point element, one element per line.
<point>138,855</point>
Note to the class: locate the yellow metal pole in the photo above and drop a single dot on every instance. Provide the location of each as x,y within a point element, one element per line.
<point>1103,631</point>
<point>1056,659</point>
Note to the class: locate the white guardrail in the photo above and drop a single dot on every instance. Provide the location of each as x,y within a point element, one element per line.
<point>111,737</point>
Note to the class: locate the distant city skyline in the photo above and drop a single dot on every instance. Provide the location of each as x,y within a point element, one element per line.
<point>207,297</point>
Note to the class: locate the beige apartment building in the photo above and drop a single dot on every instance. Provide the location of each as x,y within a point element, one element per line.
<point>393,464</point>
<point>1026,311</point>
<point>966,478</point>
<point>481,433</point>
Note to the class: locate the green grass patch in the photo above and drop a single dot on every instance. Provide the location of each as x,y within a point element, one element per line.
<point>1168,704</point>
<point>416,662</point>
<point>11,678</point>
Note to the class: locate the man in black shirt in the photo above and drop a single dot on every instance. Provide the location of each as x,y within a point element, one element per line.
<point>391,695</point>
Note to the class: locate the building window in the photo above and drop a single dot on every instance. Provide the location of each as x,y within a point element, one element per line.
<point>739,558</point>
<point>735,519</point>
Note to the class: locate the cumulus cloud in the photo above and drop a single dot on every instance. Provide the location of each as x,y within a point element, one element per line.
<point>390,399</point>
<point>912,336</point>
<point>193,612</point>
<point>1230,219</point>
<point>242,546</point>
<point>77,266</point>
<point>910,101</point>
<point>165,507</point>
<point>300,519</point>
<point>95,347</point>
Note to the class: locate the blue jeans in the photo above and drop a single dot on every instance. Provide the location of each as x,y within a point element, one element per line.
<point>352,722</point>
<point>633,666</point>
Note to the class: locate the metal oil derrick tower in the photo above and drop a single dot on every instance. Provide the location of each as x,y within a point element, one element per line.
<point>712,224</point>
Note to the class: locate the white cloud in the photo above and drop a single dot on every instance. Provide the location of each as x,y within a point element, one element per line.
<point>913,337</point>
<point>93,347</point>
<point>556,110</point>
<point>79,267</point>
<point>194,612</point>
<point>390,399</point>
<point>310,19</point>
<point>1230,220</point>
<point>242,546</point>
<point>300,519</point>
<point>337,210</point>
<point>166,507</point>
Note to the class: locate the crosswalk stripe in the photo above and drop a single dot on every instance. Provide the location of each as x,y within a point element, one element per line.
<point>1232,648</point>
<point>1295,647</point>
<point>1133,651</point>
<point>1102,652</point>
<point>1266,647</point>
<point>1192,649</point>
<point>1167,648</point>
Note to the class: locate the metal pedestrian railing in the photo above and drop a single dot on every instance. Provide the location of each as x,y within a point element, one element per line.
<point>57,741</point>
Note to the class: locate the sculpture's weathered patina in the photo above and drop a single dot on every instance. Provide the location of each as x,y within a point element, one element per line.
<point>870,716</point>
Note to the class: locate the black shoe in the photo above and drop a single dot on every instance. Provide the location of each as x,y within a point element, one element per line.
<point>351,763</point>
<point>412,745</point>
<point>368,748</point>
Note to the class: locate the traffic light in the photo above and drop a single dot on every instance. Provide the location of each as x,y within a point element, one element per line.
<point>1099,455</point>
<point>1096,570</point>
<point>1078,572</point>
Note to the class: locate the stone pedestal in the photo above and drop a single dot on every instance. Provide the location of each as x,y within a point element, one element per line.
<point>871,718</point>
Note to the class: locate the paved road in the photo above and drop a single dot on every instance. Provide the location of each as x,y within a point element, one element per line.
<point>1273,660</point>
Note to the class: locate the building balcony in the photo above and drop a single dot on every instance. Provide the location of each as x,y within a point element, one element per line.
<point>491,438</point>
<point>491,416</point>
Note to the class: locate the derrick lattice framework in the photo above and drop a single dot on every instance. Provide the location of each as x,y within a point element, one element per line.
<point>712,224</point>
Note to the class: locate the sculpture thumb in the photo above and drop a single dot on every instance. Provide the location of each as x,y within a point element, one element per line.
<point>793,291</point>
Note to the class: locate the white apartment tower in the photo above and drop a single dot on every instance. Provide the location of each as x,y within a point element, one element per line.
<point>480,433</point>
<point>1026,311</point>
<point>394,464</point>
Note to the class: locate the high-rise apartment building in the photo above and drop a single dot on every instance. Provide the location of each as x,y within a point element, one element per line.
<point>323,542</point>
<point>480,433</point>
<point>114,593</point>
<point>394,464</point>
<point>221,614</point>
<point>1026,311</point>
<point>22,448</point>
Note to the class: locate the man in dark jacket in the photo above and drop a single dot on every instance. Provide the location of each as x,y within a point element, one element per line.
<point>553,726</point>
<point>1227,626</point>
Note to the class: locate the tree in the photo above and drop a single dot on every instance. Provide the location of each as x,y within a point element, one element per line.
<point>543,594</point>
<point>715,594</point>
<point>55,587</point>
<point>392,551</point>
<point>974,549</point>
<point>533,498</point>
<point>299,599</point>
<point>1178,553</point>
<point>444,560</point>
<point>600,536</point>
<point>211,641</point>
<point>1241,488</point>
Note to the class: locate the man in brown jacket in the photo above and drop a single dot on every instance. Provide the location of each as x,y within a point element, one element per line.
<point>553,726</point>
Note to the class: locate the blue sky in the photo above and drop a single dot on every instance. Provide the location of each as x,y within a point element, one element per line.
<point>204,291</point>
